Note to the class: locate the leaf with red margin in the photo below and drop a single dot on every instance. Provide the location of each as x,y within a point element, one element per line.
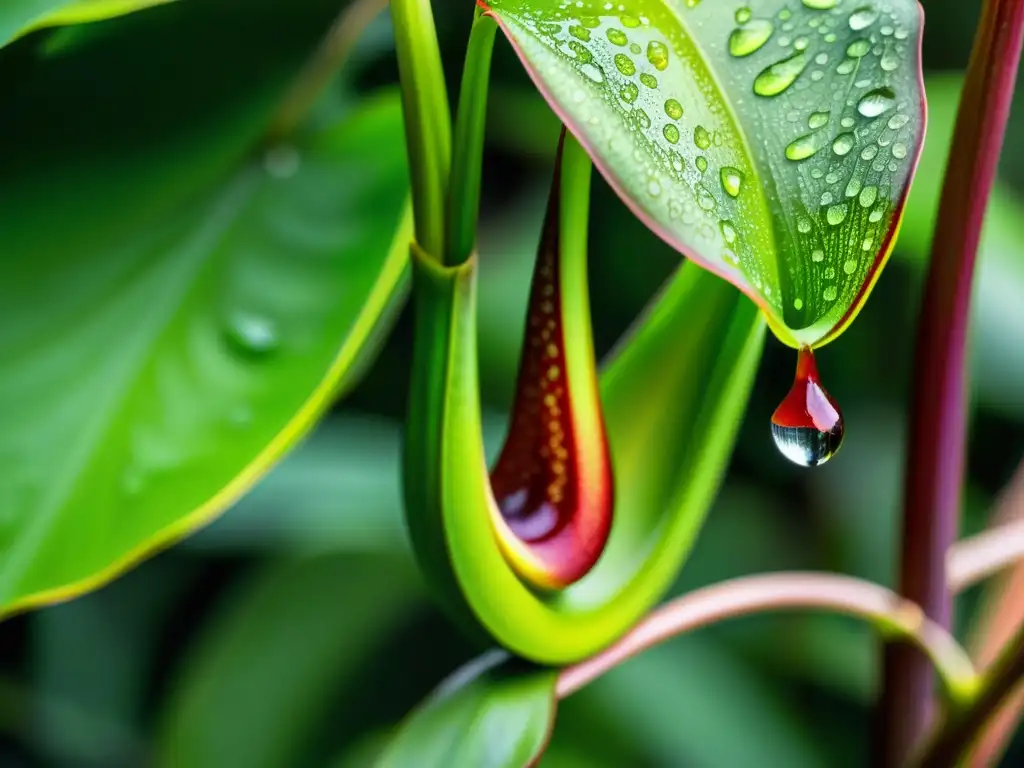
<point>772,142</point>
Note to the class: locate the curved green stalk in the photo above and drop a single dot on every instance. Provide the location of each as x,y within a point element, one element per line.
<point>681,384</point>
<point>464,199</point>
<point>427,119</point>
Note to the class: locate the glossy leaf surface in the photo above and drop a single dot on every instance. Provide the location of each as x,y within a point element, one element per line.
<point>179,304</point>
<point>772,142</point>
<point>19,17</point>
<point>492,713</point>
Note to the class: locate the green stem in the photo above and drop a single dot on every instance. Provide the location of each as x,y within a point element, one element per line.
<point>427,119</point>
<point>464,199</point>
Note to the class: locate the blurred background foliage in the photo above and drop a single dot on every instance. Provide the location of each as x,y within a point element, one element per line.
<point>294,630</point>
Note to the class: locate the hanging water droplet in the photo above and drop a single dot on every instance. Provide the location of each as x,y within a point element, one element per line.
<point>251,335</point>
<point>836,214</point>
<point>807,426</point>
<point>742,15</point>
<point>862,18</point>
<point>843,144</point>
<point>806,146</point>
<point>747,40</point>
<point>657,54</point>
<point>876,102</point>
<point>732,180</point>
<point>701,137</point>
<point>820,5</point>
<point>779,76</point>
<point>617,36</point>
<point>625,64</point>
<point>817,120</point>
<point>673,109</point>
<point>671,133</point>
<point>629,92</point>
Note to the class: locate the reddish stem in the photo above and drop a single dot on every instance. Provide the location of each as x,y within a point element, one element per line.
<point>935,463</point>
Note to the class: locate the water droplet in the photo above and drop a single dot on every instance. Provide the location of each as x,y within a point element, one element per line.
<point>850,266</point>
<point>847,66</point>
<point>779,76</point>
<point>617,36</point>
<point>657,54</point>
<point>843,144</point>
<point>847,122</point>
<point>671,133</point>
<point>853,188</point>
<point>858,49</point>
<point>251,335</point>
<point>826,198</point>
<point>641,118</point>
<point>898,121</point>
<point>653,188</point>
<point>899,151</point>
<point>742,15</point>
<point>732,180</point>
<point>580,33</point>
<point>705,199</point>
<point>798,304</point>
<point>807,427</point>
<point>869,152</point>
<point>877,214</point>
<point>593,72</point>
<point>282,161</point>
<point>701,137</point>
<point>806,146</point>
<point>821,59</point>
<point>862,18</point>
<point>836,214</point>
<point>832,177</point>
<point>830,293</point>
<point>629,21</point>
<point>649,80</point>
<point>728,232</point>
<point>868,195</point>
<point>629,92</point>
<point>817,120</point>
<point>868,244</point>
<point>890,61</point>
<point>625,64</point>
<point>820,5</point>
<point>801,43</point>
<point>635,49</point>
<point>876,102</point>
<point>747,40</point>
<point>583,53</point>
<point>803,225</point>
<point>702,163</point>
<point>818,256</point>
<point>673,109</point>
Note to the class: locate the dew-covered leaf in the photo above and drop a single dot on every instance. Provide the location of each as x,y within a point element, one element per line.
<point>773,142</point>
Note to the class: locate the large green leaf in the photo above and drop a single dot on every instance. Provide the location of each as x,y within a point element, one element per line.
<point>489,714</point>
<point>179,305</point>
<point>18,17</point>
<point>772,142</point>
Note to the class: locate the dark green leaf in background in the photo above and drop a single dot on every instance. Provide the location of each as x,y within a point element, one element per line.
<point>18,17</point>
<point>489,714</point>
